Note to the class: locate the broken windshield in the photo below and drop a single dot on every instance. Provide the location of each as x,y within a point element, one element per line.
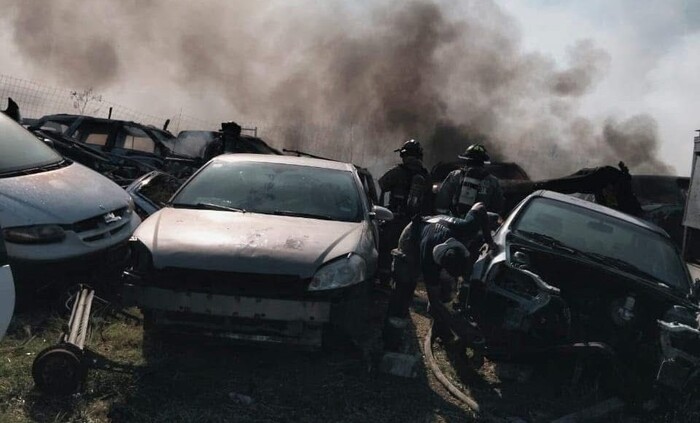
<point>20,150</point>
<point>275,188</point>
<point>605,236</point>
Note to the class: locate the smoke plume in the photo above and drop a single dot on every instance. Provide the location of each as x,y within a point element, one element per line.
<point>347,81</point>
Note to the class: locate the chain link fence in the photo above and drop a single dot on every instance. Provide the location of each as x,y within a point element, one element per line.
<point>36,100</point>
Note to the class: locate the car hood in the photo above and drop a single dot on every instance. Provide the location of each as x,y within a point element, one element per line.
<point>61,196</point>
<point>247,242</point>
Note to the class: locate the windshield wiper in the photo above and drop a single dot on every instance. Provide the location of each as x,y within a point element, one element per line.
<point>34,169</point>
<point>208,206</point>
<point>614,262</point>
<point>301,214</point>
<point>547,241</point>
<point>625,266</point>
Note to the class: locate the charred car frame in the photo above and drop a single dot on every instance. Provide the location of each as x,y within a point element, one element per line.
<point>571,276</point>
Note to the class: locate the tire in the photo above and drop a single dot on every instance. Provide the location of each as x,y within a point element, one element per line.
<point>59,370</point>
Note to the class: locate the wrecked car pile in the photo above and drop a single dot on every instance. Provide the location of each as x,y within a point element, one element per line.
<point>268,247</point>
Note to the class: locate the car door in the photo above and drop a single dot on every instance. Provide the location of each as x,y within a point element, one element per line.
<point>7,289</point>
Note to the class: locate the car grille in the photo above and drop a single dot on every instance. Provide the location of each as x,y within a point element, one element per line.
<point>232,283</point>
<point>100,227</point>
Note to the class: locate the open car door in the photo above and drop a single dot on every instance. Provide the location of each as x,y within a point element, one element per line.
<point>7,290</point>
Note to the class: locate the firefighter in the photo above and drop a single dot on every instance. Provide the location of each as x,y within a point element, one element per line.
<point>426,246</point>
<point>471,184</point>
<point>407,185</point>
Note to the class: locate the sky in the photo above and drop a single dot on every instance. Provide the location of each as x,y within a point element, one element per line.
<point>654,49</point>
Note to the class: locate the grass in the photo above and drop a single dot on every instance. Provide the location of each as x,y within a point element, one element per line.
<point>192,380</point>
<point>195,381</point>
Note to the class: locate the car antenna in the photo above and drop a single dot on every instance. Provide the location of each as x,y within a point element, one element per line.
<point>109,116</point>
<point>165,125</point>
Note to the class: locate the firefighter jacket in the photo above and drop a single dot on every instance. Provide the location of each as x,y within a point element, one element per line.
<point>464,187</point>
<point>397,182</point>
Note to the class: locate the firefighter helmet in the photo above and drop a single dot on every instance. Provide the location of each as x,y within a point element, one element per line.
<point>476,152</point>
<point>411,148</point>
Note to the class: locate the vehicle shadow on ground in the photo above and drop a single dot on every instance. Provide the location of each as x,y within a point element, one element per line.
<point>187,379</point>
<point>533,391</point>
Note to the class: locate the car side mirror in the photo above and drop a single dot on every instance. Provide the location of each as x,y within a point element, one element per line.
<point>48,142</point>
<point>381,213</point>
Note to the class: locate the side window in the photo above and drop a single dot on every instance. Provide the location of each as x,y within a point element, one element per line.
<point>160,188</point>
<point>56,126</point>
<point>94,133</point>
<point>133,138</point>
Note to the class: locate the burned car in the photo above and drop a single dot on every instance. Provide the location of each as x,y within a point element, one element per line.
<point>259,248</point>
<point>571,276</point>
<point>122,142</point>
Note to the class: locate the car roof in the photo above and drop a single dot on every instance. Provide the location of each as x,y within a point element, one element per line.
<point>600,209</point>
<point>292,160</point>
<point>71,118</point>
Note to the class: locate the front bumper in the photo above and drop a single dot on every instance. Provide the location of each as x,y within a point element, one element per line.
<point>296,321</point>
<point>94,268</point>
<point>75,245</point>
<point>226,305</point>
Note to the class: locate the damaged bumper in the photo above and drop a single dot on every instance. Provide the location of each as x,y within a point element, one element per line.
<point>226,305</point>
<point>292,321</point>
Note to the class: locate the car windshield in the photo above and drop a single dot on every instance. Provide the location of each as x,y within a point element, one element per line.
<point>275,188</point>
<point>20,150</point>
<point>606,237</point>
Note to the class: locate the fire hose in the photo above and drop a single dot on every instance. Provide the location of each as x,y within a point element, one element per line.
<point>440,376</point>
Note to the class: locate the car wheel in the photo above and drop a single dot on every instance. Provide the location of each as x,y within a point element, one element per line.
<point>59,370</point>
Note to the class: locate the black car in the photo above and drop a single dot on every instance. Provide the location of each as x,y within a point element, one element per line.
<point>146,144</point>
<point>197,144</point>
<point>571,276</point>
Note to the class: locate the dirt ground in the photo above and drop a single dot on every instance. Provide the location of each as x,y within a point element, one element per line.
<point>189,380</point>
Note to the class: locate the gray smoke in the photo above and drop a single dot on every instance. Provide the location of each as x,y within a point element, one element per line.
<point>344,81</point>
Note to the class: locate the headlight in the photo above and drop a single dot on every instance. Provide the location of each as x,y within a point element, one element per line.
<point>342,272</point>
<point>141,257</point>
<point>130,207</point>
<point>37,234</point>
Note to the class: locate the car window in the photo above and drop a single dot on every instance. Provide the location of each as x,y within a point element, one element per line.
<point>133,138</point>
<point>94,133</point>
<point>160,188</point>
<point>20,150</point>
<point>595,232</point>
<point>276,188</point>
<point>56,126</point>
